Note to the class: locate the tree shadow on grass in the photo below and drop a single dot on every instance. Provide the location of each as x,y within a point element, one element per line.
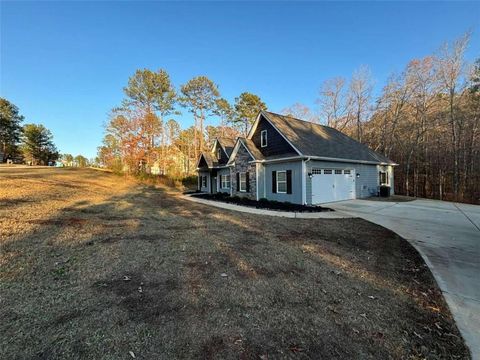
<point>148,272</point>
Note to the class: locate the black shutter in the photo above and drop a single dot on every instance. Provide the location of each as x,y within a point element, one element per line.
<point>247,180</point>
<point>274,182</point>
<point>289,181</point>
<point>238,181</point>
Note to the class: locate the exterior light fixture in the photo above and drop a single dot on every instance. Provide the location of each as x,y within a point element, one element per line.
<point>310,175</point>
<point>358,175</point>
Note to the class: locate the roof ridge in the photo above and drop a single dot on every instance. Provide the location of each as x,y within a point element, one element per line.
<point>294,118</point>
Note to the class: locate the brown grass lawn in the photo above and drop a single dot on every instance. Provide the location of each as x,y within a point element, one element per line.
<point>95,266</point>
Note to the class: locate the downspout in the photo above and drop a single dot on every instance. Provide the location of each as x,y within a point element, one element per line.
<point>304,180</point>
<point>256,180</point>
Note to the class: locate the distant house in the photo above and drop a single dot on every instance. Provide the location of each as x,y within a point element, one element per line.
<point>292,160</point>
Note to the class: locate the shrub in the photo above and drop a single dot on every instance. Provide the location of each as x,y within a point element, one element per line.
<point>262,203</point>
<point>190,181</point>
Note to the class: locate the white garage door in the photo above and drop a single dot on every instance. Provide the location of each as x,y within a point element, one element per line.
<point>332,185</point>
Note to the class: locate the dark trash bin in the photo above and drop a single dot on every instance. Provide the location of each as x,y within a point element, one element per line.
<point>384,191</point>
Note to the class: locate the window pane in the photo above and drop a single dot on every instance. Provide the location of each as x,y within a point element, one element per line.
<point>282,187</point>
<point>263,135</point>
<point>243,182</point>
<point>338,171</point>
<point>281,176</point>
<point>384,178</point>
<point>327,171</point>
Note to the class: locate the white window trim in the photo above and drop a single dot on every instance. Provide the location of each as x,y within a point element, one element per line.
<point>225,184</point>
<point>386,178</point>
<point>283,181</point>
<point>219,154</point>
<point>244,181</point>
<point>261,138</point>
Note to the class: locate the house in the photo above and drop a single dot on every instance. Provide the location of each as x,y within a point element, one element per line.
<point>213,171</point>
<point>287,159</point>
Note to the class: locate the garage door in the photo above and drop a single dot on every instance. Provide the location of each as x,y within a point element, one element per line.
<point>332,185</point>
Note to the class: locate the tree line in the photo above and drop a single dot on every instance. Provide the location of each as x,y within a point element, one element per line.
<point>29,143</point>
<point>142,136</point>
<point>426,119</point>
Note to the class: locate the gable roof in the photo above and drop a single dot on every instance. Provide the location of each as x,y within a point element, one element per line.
<point>227,144</point>
<point>316,140</point>
<point>248,144</point>
<point>210,159</point>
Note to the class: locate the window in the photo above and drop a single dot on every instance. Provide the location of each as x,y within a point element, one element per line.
<point>243,182</point>
<point>225,179</point>
<point>219,154</point>
<point>383,178</point>
<point>327,171</point>
<point>263,138</point>
<point>282,182</point>
<point>337,172</point>
<point>346,172</point>
<point>204,181</point>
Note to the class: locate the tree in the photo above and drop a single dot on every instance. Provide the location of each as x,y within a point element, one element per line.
<point>10,128</point>
<point>247,107</point>
<point>81,161</point>
<point>151,91</point>
<point>186,145</point>
<point>360,96</point>
<point>37,144</point>
<point>450,67</point>
<point>475,77</point>
<point>225,112</point>
<point>199,96</point>
<point>153,96</point>
<point>333,103</point>
<point>300,111</point>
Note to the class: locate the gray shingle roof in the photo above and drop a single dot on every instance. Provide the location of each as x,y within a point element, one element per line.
<point>322,141</point>
<point>227,144</point>
<point>252,148</point>
<point>210,159</point>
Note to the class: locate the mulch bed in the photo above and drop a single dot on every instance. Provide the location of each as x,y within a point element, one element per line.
<point>262,204</point>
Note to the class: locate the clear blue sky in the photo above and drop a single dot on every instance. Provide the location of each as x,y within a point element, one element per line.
<point>64,64</point>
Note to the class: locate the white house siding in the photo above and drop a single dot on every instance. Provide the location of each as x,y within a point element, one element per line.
<point>220,172</point>
<point>296,197</point>
<point>365,184</point>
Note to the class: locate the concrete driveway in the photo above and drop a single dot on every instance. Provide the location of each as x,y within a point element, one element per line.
<point>448,237</point>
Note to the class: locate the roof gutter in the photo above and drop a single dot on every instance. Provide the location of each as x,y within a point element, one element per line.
<point>352,161</point>
<point>293,158</point>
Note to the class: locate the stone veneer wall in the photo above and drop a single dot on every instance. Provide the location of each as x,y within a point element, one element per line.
<point>242,165</point>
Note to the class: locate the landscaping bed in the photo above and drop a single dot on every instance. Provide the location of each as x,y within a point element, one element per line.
<point>262,203</point>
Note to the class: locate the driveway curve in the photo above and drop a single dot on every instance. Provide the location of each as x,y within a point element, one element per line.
<point>447,235</point>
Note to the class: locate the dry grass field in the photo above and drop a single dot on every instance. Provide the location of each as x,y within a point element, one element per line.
<point>96,266</point>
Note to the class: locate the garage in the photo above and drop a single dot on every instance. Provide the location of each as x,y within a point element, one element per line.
<point>330,185</point>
